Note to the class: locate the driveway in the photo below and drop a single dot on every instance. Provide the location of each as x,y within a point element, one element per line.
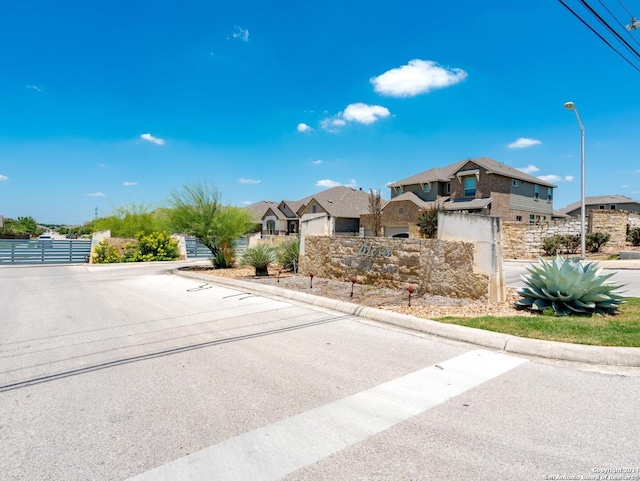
<point>129,372</point>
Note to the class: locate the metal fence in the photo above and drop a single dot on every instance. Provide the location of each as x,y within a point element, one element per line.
<point>44,251</point>
<point>196,249</point>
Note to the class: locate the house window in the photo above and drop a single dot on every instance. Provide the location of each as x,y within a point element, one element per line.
<point>271,227</point>
<point>531,218</point>
<point>469,186</point>
<point>601,207</point>
<point>536,192</point>
<point>549,194</point>
<point>400,210</point>
<point>426,188</point>
<point>612,207</point>
<point>447,188</point>
<point>518,218</point>
<point>314,209</point>
<point>515,183</point>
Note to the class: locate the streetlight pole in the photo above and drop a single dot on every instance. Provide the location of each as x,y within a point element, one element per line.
<point>572,106</point>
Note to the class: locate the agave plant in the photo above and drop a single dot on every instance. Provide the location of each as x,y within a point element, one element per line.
<point>260,258</point>
<point>569,286</point>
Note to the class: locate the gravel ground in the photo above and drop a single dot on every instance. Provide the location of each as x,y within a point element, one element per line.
<point>397,300</point>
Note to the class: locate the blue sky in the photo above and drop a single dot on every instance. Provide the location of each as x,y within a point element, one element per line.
<point>104,104</point>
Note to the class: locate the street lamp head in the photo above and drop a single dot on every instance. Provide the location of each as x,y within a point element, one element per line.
<point>569,105</point>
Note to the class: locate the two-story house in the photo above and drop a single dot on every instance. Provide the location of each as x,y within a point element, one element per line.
<point>480,185</point>
<point>603,202</point>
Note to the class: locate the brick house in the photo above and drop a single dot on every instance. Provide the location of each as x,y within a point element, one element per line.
<point>481,185</point>
<point>603,202</point>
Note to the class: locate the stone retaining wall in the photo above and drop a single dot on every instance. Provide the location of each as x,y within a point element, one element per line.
<point>444,268</point>
<point>524,241</point>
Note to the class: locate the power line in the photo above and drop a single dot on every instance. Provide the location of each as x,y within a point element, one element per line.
<point>608,27</point>
<point>625,8</point>
<point>619,22</point>
<point>598,34</point>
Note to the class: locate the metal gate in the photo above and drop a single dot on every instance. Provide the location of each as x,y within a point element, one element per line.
<point>195,249</point>
<point>44,251</point>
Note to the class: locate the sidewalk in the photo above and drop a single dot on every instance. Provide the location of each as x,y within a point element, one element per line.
<point>597,355</point>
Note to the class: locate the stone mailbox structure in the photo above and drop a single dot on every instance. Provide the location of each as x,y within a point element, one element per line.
<point>453,268</point>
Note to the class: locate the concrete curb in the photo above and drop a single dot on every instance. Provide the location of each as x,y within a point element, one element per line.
<point>599,355</point>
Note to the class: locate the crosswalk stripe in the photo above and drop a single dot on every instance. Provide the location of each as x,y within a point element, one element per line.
<point>285,446</point>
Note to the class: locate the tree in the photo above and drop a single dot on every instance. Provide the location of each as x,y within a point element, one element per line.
<point>133,219</point>
<point>196,211</point>
<point>230,223</point>
<point>21,225</point>
<point>375,210</point>
<point>428,221</point>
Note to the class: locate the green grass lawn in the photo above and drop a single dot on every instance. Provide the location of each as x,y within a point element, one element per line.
<point>622,329</point>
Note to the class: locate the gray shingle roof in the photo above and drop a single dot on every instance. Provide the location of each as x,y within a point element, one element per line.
<point>468,204</point>
<point>412,197</point>
<point>599,200</point>
<point>257,210</point>
<point>444,174</point>
<point>340,201</point>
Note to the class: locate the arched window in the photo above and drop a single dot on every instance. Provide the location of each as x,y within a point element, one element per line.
<point>271,227</point>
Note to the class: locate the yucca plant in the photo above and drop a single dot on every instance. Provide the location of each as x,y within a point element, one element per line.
<point>260,258</point>
<point>288,252</point>
<point>569,286</point>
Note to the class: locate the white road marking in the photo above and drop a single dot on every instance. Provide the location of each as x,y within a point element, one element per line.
<point>278,449</point>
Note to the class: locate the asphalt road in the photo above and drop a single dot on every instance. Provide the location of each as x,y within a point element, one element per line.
<point>128,372</point>
<point>629,277</point>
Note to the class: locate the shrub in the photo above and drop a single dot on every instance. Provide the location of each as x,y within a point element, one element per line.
<point>571,243</point>
<point>287,254</point>
<point>634,236</point>
<point>157,246</point>
<point>260,257</point>
<point>569,286</point>
<point>105,253</point>
<point>551,245</point>
<point>595,240</point>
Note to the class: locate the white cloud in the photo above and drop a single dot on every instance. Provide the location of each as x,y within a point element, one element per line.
<point>624,186</point>
<point>129,184</point>
<point>246,202</point>
<point>529,169</point>
<point>523,143</point>
<point>34,87</point>
<point>417,77</point>
<point>358,112</point>
<point>317,162</point>
<point>242,180</point>
<point>241,33</point>
<point>102,166</point>
<point>97,194</point>
<point>365,114</point>
<point>302,127</point>
<point>553,178</point>
<point>152,139</point>
<point>332,124</point>
<point>332,183</point>
<point>3,177</point>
